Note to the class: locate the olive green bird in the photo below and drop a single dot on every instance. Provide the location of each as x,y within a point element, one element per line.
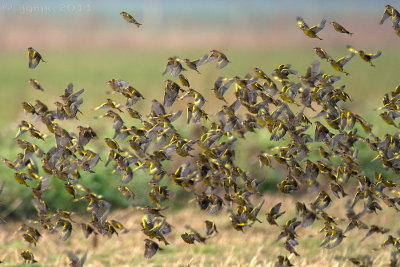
<point>390,12</point>
<point>321,53</point>
<point>34,58</point>
<point>367,57</point>
<point>339,64</point>
<point>310,32</point>
<point>340,28</point>
<point>129,18</point>
<point>151,248</point>
<point>27,255</point>
<point>396,29</point>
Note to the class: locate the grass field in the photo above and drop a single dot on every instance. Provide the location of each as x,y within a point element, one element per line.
<point>256,246</point>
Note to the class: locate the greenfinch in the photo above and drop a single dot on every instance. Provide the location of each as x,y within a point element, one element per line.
<point>338,64</point>
<point>340,28</point>
<point>367,57</point>
<point>129,18</point>
<point>390,12</point>
<point>35,84</point>
<point>321,53</point>
<point>310,32</point>
<point>34,58</point>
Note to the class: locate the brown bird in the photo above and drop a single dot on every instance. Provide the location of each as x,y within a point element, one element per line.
<point>321,53</point>
<point>151,248</point>
<point>129,18</point>
<point>340,28</point>
<point>35,84</point>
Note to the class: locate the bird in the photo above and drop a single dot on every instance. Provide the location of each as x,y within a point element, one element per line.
<point>390,12</point>
<point>211,228</point>
<point>222,59</point>
<point>126,192</point>
<point>310,32</point>
<point>321,53</point>
<point>151,248</point>
<point>183,80</point>
<point>75,261</point>
<point>174,67</point>
<point>340,28</point>
<point>283,261</point>
<point>35,84</point>
<point>396,29</point>
<point>34,58</point>
<point>338,64</point>
<point>192,64</point>
<point>274,214</point>
<point>27,255</point>
<point>129,18</point>
<point>367,57</point>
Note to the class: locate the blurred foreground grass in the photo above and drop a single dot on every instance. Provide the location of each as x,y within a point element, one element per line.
<point>256,246</point>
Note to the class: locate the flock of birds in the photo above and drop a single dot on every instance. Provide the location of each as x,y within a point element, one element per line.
<point>276,104</point>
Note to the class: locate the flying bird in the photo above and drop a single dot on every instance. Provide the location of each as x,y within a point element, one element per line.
<point>367,57</point>
<point>310,32</point>
<point>390,12</point>
<point>34,58</point>
<point>129,18</point>
<point>338,64</point>
<point>340,28</point>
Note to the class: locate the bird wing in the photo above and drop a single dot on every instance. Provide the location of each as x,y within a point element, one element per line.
<point>314,68</point>
<point>225,87</point>
<point>33,61</point>
<point>168,68</point>
<point>235,105</point>
<point>373,56</point>
<point>177,70</point>
<point>385,16</point>
<point>352,50</point>
<point>301,23</point>
<point>319,27</point>
<point>222,63</point>
<point>202,60</point>
<point>342,61</point>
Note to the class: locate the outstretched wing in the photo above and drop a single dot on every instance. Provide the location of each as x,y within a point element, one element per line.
<point>301,23</point>
<point>352,50</point>
<point>319,27</point>
<point>385,16</point>
<point>33,62</point>
<point>342,61</point>
<point>168,69</point>
<point>373,56</point>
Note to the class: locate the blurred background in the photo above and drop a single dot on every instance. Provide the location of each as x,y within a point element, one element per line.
<point>88,43</point>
